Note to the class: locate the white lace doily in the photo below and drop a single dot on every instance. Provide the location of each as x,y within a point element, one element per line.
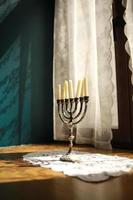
<point>89,167</point>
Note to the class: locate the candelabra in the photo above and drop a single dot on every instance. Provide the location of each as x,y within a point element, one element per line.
<point>71,112</point>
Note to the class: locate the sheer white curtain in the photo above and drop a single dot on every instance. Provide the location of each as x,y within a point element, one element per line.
<point>82,47</point>
<point>128,16</point>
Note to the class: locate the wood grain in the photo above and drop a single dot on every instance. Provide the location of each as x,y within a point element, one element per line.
<point>20,180</point>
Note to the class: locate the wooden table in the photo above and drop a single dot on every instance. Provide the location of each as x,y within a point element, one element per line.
<point>20,180</point>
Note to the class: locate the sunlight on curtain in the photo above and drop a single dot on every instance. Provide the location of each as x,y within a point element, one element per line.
<point>82,47</point>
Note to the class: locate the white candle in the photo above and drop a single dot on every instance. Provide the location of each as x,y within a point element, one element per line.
<point>86,91</point>
<point>66,89</point>
<point>71,89</point>
<point>63,92</point>
<point>59,91</point>
<point>83,89</point>
<point>79,87</point>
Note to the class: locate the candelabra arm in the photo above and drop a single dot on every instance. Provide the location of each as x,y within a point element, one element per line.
<point>81,116</point>
<point>62,119</point>
<point>64,112</point>
<point>70,103</point>
<point>61,114</point>
<point>80,110</point>
<point>76,105</point>
<point>86,99</point>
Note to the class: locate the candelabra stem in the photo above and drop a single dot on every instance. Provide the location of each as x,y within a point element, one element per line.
<point>66,157</point>
<point>71,139</point>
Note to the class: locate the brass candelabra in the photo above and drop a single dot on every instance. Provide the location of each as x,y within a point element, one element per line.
<point>71,112</point>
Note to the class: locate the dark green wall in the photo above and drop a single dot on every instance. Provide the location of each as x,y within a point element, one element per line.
<point>26,57</point>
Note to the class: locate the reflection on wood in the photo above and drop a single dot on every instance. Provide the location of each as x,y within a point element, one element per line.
<point>23,181</point>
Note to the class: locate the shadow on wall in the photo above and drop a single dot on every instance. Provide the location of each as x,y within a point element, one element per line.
<point>26,38</point>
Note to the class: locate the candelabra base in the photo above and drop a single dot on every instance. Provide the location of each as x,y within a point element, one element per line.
<point>67,158</point>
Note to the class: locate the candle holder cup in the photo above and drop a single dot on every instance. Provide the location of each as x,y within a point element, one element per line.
<point>71,112</point>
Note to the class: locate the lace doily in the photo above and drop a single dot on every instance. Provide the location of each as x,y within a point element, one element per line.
<point>89,167</point>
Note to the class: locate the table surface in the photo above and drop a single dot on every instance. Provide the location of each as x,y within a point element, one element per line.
<point>20,180</point>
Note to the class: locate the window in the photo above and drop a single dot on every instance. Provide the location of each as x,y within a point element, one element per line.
<point>123,137</point>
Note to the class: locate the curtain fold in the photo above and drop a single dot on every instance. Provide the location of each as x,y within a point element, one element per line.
<point>82,47</point>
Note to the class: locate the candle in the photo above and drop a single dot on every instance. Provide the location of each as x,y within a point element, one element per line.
<point>79,87</point>
<point>83,89</point>
<point>63,92</point>
<point>86,91</point>
<point>66,89</point>
<point>59,91</point>
<point>71,89</point>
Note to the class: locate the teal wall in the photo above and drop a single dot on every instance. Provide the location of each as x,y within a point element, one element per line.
<point>26,52</point>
